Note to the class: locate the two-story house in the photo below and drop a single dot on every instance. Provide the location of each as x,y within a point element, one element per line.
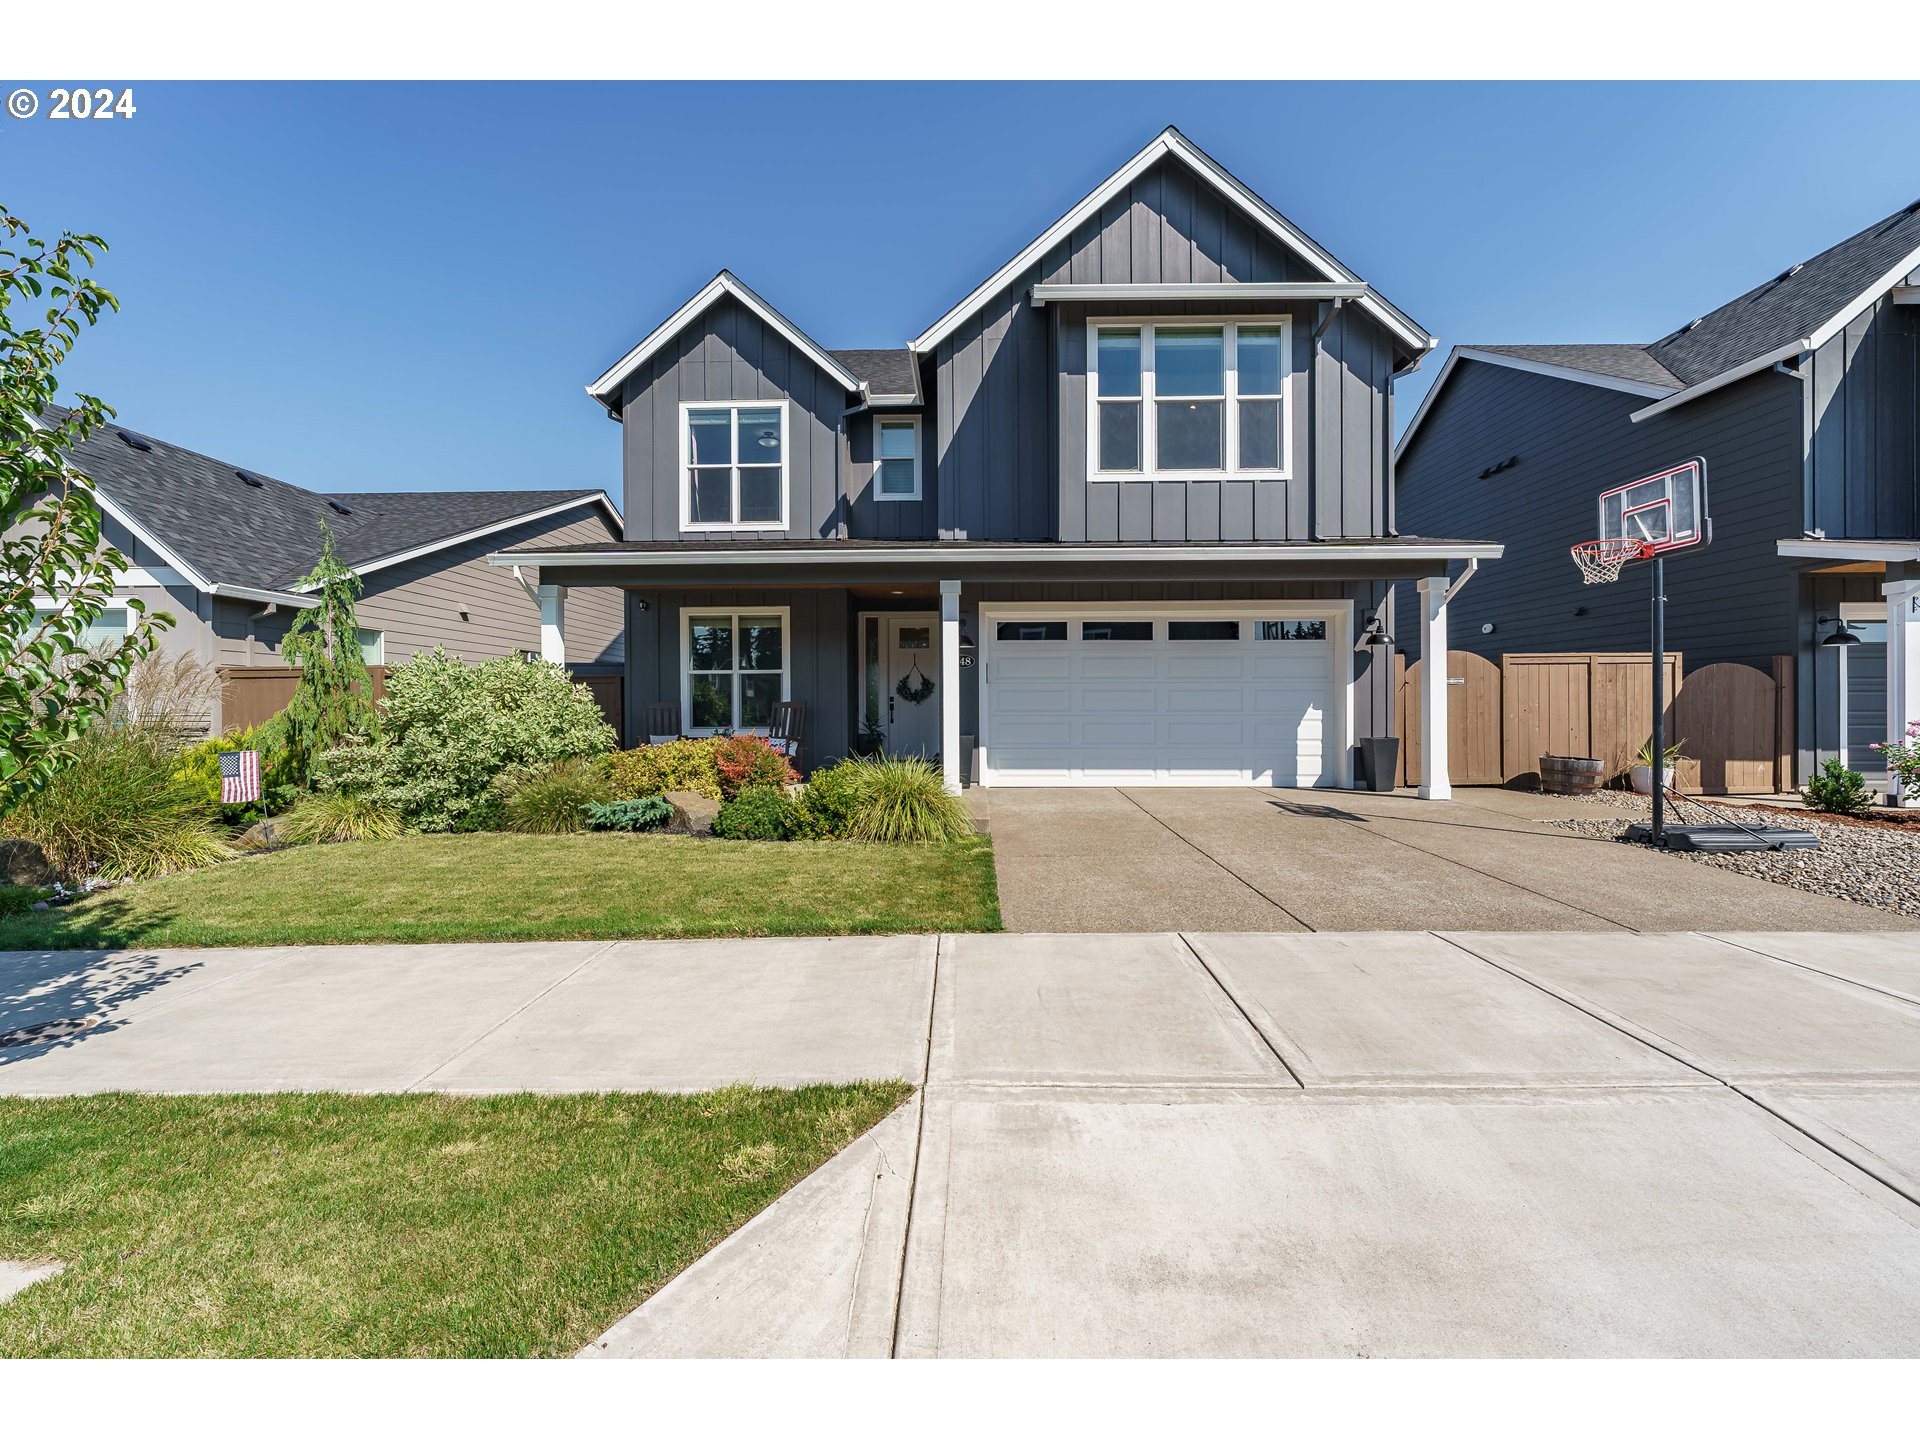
<point>1803,395</point>
<point>1123,515</point>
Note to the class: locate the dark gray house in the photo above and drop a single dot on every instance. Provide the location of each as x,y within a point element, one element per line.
<point>223,549</point>
<point>1803,395</point>
<point>1124,514</point>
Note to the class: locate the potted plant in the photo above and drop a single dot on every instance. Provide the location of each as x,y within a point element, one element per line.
<point>1642,772</point>
<point>870,740</point>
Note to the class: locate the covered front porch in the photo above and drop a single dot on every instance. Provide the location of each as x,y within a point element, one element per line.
<point>1035,665</point>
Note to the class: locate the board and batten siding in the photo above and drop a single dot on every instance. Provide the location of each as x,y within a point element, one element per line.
<point>1863,406</point>
<point>868,516</point>
<point>729,353</point>
<point>1734,600</point>
<point>1009,434</point>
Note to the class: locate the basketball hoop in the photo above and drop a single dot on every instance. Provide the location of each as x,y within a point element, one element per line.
<point>1601,561</point>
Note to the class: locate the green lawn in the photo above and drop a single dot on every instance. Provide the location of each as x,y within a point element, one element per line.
<point>404,1225</point>
<point>537,887</point>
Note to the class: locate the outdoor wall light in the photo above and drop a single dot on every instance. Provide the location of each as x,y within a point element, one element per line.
<point>1841,635</point>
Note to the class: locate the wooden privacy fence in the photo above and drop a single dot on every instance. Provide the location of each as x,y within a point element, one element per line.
<point>1736,721</point>
<point>250,694</point>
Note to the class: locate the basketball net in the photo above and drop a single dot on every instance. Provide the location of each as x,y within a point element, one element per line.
<point>1601,561</point>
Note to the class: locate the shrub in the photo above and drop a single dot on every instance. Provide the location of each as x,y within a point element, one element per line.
<point>649,812</point>
<point>761,812</point>
<point>339,815</point>
<point>748,761</point>
<point>451,730</point>
<point>552,801</point>
<point>119,810</point>
<point>1837,790</point>
<point>834,798</point>
<point>655,769</point>
<point>902,801</point>
<point>199,766</point>
<point>18,899</point>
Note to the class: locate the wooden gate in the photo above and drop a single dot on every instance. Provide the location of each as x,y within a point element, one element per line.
<point>1598,705</point>
<point>1729,720</point>
<point>1473,719</point>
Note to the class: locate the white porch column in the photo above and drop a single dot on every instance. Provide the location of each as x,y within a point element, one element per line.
<point>553,623</point>
<point>1903,668</point>
<point>950,685</point>
<point>1434,784</point>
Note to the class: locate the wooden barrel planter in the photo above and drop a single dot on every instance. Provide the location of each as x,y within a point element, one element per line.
<point>1571,774</point>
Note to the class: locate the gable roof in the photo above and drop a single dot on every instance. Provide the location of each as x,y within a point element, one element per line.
<point>209,520</point>
<point>722,286</point>
<point>1798,310</point>
<point>1171,143</point>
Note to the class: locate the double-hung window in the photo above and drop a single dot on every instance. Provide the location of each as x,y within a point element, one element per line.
<point>896,460</point>
<point>1181,400</point>
<point>734,466</point>
<point>736,668</point>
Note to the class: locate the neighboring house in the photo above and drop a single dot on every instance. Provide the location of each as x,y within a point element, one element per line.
<point>1801,394</point>
<point>224,549</point>
<point>1123,515</point>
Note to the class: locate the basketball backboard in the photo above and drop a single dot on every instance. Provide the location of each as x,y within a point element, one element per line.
<point>1664,511</point>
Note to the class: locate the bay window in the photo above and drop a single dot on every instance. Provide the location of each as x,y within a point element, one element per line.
<point>735,668</point>
<point>734,466</point>
<point>1189,399</point>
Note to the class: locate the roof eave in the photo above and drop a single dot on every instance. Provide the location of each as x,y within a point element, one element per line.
<point>1515,362</point>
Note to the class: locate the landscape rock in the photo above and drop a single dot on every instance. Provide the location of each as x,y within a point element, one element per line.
<point>692,814</point>
<point>22,862</point>
<point>260,836</point>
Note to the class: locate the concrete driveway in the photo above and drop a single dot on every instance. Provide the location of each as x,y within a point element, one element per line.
<point>1296,860</point>
<point>1252,1144</point>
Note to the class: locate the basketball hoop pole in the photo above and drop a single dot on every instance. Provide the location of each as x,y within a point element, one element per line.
<point>1659,699</point>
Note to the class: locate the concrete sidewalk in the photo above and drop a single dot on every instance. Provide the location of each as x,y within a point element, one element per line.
<point>1164,1144</point>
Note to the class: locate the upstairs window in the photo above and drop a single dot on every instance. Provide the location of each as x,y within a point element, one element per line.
<point>1180,400</point>
<point>734,466</point>
<point>896,460</point>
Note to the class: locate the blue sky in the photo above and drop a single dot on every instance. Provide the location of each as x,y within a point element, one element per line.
<point>406,286</point>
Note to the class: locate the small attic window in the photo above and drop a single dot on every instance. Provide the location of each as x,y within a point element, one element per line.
<point>128,437</point>
<point>338,508</point>
<point>254,480</point>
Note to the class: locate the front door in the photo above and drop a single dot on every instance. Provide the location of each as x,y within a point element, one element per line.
<point>910,676</point>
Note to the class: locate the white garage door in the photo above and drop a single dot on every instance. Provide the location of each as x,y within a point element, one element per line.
<point>1119,698</point>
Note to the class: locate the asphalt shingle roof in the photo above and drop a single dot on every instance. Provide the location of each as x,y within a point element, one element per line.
<point>885,372</point>
<point>268,535</point>
<point>1769,317</point>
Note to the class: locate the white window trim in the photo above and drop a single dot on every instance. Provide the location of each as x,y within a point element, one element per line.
<point>880,422</point>
<point>687,408</point>
<point>1337,613</point>
<point>1230,324</point>
<point>379,645</point>
<point>733,612</point>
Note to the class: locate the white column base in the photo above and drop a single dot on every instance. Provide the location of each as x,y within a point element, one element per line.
<point>950,685</point>
<point>1434,782</point>
<point>553,623</point>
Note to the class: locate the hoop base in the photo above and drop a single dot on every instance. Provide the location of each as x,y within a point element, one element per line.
<point>1601,561</point>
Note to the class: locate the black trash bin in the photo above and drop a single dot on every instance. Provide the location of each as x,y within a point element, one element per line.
<point>1380,756</point>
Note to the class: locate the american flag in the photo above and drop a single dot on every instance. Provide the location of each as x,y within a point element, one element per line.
<point>239,777</point>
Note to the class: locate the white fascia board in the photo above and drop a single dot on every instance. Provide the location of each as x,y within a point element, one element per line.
<point>1724,379</point>
<point>599,497</point>
<point>828,553</point>
<point>1865,298</point>
<point>1171,142</point>
<point>264,597</point>
<point>722,285</point>
<point>1510,362</point>
<point>1043,295</point>
<point>1868,550</point>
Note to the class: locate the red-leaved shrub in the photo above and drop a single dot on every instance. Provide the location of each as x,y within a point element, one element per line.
<point>748,760</point>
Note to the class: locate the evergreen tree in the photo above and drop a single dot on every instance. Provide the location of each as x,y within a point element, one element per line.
<point>333,700</point>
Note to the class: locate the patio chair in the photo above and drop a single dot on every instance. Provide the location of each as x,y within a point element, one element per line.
<point>662,721</point>
<point>788,729</point>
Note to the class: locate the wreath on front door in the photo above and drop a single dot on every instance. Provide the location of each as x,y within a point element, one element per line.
<point>911,692</point>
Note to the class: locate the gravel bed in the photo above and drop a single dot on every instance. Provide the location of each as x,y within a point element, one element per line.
<point>1854,862</point>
